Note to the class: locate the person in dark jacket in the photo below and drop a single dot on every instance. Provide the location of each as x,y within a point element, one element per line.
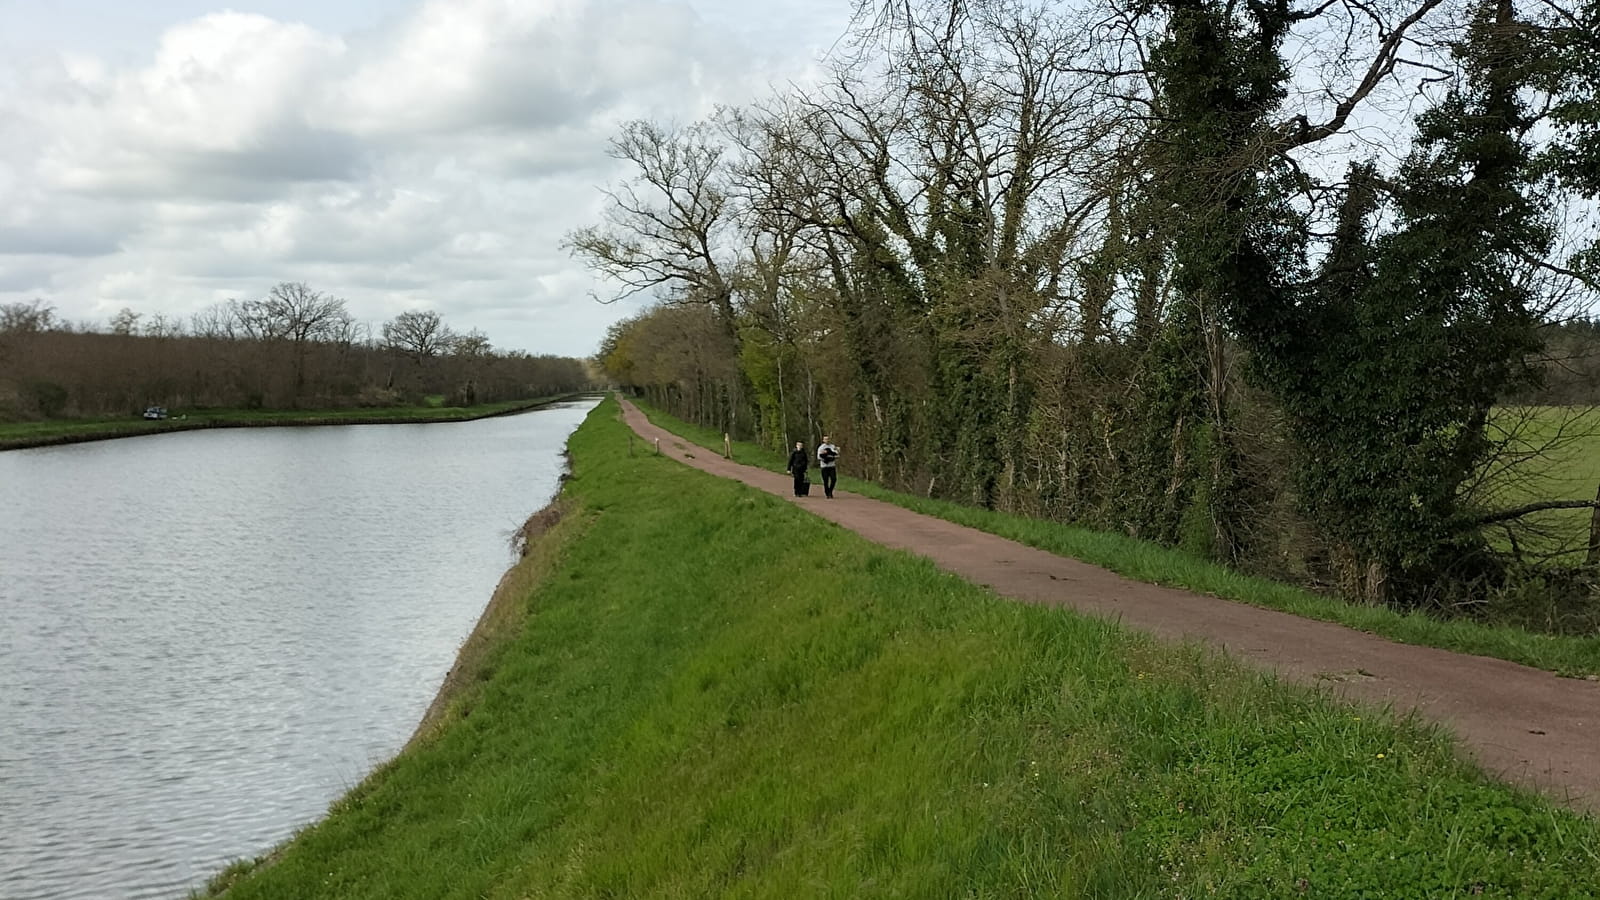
<point>798,460</point>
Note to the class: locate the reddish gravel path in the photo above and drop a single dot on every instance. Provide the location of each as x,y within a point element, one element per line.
<point>1523,724</point>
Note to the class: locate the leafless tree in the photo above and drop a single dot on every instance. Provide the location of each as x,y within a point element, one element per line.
<point>294,313</point>
<point>471,344</point>
<point>666,226</point>
<point>218,321</point>
<point>126,321</point>
<point>420,335</point>
<point>27,317</point>
<point>302,315</point>
<point>162,325</point>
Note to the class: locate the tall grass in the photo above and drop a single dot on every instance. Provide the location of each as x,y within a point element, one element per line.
<point>1154,563</point>
<point>716,695</point>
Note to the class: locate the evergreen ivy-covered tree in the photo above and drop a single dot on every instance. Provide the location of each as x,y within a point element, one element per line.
<point>1389,366</point>
<point>1219,77</point>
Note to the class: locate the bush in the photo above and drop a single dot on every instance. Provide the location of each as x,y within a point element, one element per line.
<point>1554,600</point>
<point>47,398</point>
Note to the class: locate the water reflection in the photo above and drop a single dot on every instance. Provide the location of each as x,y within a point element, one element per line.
<point>208,636</point>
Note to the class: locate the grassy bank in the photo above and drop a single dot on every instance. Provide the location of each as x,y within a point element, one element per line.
<point>1146,561</point>
<point>18,435</point>
<point>711,693</point>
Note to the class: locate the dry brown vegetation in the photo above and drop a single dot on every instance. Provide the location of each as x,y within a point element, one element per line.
<point>302,352</point>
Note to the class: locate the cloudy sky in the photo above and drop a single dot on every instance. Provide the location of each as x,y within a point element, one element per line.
<point>164,155</point>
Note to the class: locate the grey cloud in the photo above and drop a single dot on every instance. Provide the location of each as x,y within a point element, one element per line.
<point>20,275</point>
<point>232,268</point>
<point>346,245</point>
<point>289,155</point>
<point>570,155</point>
<point>259,172</point>
<point>57,240</point>
<point>538,68</point>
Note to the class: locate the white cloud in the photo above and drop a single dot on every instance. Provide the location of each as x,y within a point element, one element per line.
<point>508,65</point>
<point>221,108</point>
<point>432,162</point>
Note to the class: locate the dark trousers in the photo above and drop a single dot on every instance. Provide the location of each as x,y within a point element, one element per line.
<point>830,477</point>
<point>799,479</point>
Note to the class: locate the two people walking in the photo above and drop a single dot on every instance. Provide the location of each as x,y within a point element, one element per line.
<point>827,461</point>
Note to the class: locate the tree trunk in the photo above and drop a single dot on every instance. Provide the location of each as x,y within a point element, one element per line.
<point>1220,495</point>
<point>1594,531</point>
<point>783,407</point>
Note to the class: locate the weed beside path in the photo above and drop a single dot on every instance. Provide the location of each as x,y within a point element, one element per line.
<point>1155,564</point>
<point>21,435</point>
<point>715,694</point>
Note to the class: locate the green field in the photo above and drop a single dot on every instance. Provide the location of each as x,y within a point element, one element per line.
<point>1564,446</point>
<point>711,693</point>
<point>1154,563</point>
<point>24,434</point>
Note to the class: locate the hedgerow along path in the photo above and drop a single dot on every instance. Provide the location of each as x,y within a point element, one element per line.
<point>1521,724</point>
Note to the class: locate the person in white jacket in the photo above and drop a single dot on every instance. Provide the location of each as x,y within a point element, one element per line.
<point>828,462</point>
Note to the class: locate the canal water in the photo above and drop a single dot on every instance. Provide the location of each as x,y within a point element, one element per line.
<point>206,637</point>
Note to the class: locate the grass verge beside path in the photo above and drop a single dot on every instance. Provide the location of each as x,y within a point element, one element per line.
<point>712,696</point>
<point>19,435</point>
<point>1153,563</point>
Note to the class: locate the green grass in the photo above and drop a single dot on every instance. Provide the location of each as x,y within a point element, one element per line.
<point>714,694</point>
<point>1567,441</point>
<point>1150,562</point>
<point>21,434</point>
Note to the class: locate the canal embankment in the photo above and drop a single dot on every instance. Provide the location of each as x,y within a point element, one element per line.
<point>707,691</point>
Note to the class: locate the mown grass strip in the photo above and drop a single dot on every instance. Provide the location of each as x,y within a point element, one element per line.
<point>19,435</point>
<point>1153,563</point>
<point>717,695</point>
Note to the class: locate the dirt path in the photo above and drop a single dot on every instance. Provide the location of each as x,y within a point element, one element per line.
<point>1522,724</point>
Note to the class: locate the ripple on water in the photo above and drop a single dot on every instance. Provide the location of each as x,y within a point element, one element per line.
<point>211,635</point>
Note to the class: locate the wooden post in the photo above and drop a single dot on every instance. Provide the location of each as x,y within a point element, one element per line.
<point>727,446</point>
<point>658,446</point>
<point>1594,531</point>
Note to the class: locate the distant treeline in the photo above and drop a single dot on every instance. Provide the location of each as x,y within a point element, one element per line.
<point>296,348</point>
<point>1569,366</point>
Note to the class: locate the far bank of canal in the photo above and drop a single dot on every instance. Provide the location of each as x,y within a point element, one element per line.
<point>213,634</point>
<point>56,432</point>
